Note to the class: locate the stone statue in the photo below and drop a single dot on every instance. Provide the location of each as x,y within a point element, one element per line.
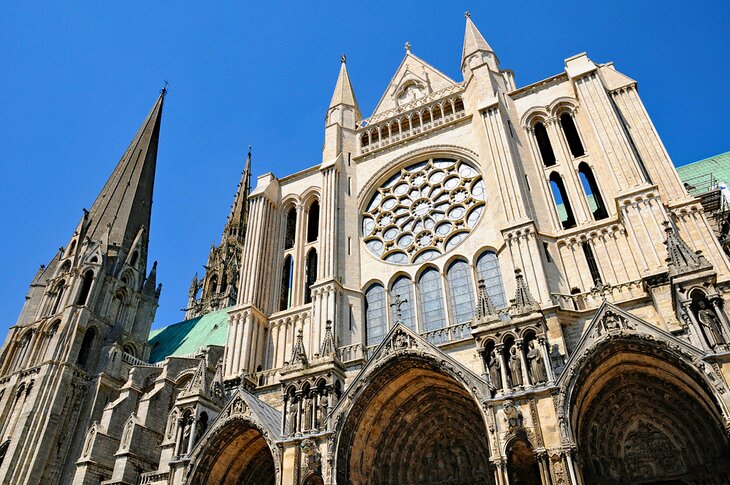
<point>322,416</point>
<point>493,366</point>
<point>515,367</point>
<point>536,364</point>
<point>293,415</point>
<point>307,424</point>
<point>710,324</point>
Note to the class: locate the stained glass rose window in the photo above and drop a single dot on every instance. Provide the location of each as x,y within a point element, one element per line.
<point>423,211</point>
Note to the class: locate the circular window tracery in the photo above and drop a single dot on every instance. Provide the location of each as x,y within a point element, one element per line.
<point>423,211</point>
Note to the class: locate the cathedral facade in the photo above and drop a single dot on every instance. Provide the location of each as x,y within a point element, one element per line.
<point>480,284</point>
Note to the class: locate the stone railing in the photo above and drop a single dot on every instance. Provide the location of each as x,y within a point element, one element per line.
<point>592,299</point>
<point>348,353</point>
<point>266,377</point>
<point>132,360</point>
<point>154,477</point>
<point>408,124</point>
<point>391,113</point>
<point>448,334</point>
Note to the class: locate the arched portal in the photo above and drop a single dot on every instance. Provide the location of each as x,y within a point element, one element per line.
<point>235,453</point>
<point>522,464</point>
<point>413,424</point>
<point>641,414</point>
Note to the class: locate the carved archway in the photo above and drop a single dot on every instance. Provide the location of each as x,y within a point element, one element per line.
<point>522,466</point>
<point>236,451</point>
<point>414,422</point>
<point>640,412</point>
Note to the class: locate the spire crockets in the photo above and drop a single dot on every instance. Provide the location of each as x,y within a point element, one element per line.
<point>237,219</point>
<point>681,259</point>
<point>124,204</point>
<point>474,43</point>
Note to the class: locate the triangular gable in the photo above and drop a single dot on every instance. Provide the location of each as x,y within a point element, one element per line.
<point>611,320</point>
<point>400,341</point>
<point>412,69</point>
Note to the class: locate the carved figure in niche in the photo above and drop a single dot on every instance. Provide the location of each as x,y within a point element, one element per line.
<point>322,415</point>
<point>202,426</point>
<point>515,367</point>
<point>493,366</point>
<point>89,442</point>
<point>512,415</point>
<point>307,414</point>
<point>188,422</point>
<point>536,364</point>
<point>293,414</point>
<point>710,324</point>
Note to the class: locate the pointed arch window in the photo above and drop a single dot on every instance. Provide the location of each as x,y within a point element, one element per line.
<point>431,298</point>
<point>543,144</point>
<point>571,135</point>
<point>461,292</point>
<point>313,222</point>
<point>375,320</point>
<point>85,287</point>
<point>592,264</point>
<point>311,276</point>
<point>286,283</point>
<point>213,284</point>
<point>593,195</point>
<point>403,288</point>
<point>562,203</point>
<point>133,259</point>
<point>489,271</point>
<point>86,347</point>
<point>291,228</point>
<point>60,287</point>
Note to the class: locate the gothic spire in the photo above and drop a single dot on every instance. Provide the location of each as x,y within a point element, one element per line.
<point>523,301</point>
<point>485,310</point>
<point>237,219</point>
<point>124,204</point>
<point>344,94</point>
<point>680,257</point>
<point>298,355</point>
<point>474,42</point>
<point>328,342</point>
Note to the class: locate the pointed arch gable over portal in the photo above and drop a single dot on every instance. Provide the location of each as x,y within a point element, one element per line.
<point>410,407</point>
<point>239,445</point>
<point>641,405</point>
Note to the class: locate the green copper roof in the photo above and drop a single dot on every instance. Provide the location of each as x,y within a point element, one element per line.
<point>718,166</point>
<point>189,336</point>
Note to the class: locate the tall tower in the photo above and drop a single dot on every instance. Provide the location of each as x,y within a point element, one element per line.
<point>91,307</point>
<point>219,286</point>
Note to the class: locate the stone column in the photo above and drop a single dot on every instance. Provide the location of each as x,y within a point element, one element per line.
<point>722,316</point>
<point>193,431</point>
<point>499,349</point>
<point>178,435</point>
<point>525,375</point>
<point>542,341</point>
<point>697,326</point>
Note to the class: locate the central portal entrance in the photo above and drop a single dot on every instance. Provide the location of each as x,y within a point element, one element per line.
<point>413,424</point>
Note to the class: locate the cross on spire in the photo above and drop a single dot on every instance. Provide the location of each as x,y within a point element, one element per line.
<point>408,46</point>
<point>467,14</point>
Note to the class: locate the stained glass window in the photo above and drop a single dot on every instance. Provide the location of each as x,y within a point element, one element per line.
<point>488,270</point>
<point>461,292</point>
<point>375,320</point>
<point>403,287</point>
<point>432,301</point>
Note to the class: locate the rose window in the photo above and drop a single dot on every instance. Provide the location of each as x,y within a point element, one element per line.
<point>423,211</point>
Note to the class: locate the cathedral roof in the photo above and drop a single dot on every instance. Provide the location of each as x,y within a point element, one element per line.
<point>125,202</point>
<point>188,336</point>
<point>718,166</point>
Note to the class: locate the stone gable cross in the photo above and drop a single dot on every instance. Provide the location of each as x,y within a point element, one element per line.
<point>397,303</point>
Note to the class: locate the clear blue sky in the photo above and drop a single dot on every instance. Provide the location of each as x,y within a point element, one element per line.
<point>79,77</point>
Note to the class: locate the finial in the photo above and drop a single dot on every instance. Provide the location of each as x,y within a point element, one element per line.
<point>467,14</point>
<point>343,58</point>
<point>408,47</point>
<point>163,91</point>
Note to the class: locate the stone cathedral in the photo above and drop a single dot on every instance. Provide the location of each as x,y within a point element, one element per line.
<point>480,283</point>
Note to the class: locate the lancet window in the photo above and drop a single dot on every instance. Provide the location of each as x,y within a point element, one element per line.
<point>571,135</point>
<point>543,144</point>
<point>461,292</point>
<point>488,270</point>
<point>432,300</point>
<point>562,203</point>
<point>375,315</point>
<point>593,195</point>
<point>402,301</point>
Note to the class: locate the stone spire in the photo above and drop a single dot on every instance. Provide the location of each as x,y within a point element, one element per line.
<point>237,219</point>
<point>124,204</point>
<point>681,258</point>
<point>298,355</point>
<point>328,342</point>
<point>344,94</point>
<point>523,301</point>
<point>475,43</point>
<point>485,310</point>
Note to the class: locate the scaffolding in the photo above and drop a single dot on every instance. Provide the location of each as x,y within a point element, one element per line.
<point>713,196</point>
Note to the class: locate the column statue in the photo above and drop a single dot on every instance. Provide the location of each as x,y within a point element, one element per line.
<point>536,364</point>
<point>293,415</point>
<point>307,422</point>
<point>710,324</point>
<point>495,374</point>
<point>515,367</point>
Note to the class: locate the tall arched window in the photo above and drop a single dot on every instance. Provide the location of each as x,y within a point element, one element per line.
<point>286,283</point>
<point>85,287</point>
<point>593,195</point>
<point>311,276</point>
<point>403,287</point>
<point>291,228</point>
<point>562,204</point>
<point>461,292</point>
<point>432,300</point>
<point>313,222</point>
<point>488,270</point>
<point>213,284</point>
<point>375,321</point>
<point>571,135</point>
<point>86,347</point>
<point>59,296</point>
<point>543,143</point>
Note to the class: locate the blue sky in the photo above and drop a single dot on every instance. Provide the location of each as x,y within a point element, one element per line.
<point>78,79</point>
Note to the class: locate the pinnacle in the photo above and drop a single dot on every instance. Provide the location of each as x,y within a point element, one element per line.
<point>473,39</point>
<point>343,93</point>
